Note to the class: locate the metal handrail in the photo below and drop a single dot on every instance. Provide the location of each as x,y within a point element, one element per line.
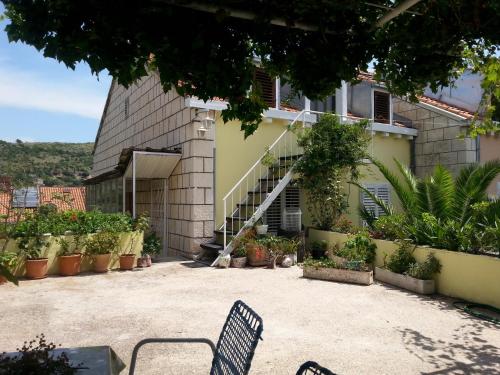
<point>300,116</point>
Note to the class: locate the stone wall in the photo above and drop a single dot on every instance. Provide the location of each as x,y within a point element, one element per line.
<point>157,119</point>
<point>438,139</point>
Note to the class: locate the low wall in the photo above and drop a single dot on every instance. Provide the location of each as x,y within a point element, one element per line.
<point>471,277</point>
<point>54,247</point>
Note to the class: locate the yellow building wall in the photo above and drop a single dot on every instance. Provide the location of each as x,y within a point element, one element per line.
<point>234,156</point>
<point>384,149</point>
<point>129,242</point>
<point>471,277</point>
<point>490,150</point>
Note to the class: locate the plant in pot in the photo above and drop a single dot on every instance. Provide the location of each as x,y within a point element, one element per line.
<point>289,248</point>
<point>273,245</point>
<point>127,259</point>
<point>319,249</point>
<point>257,254</point>
<point>69,256</point>
<point>150,248</point>
<point>100,247</point>
<point>261,228</point>
<point>32,248</point>
<point>8,261</point>
<point>239,258</point>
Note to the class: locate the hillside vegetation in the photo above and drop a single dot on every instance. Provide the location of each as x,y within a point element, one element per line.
<point>56,163</point>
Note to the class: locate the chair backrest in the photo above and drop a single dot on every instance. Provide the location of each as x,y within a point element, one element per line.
<point>312,368</point>
<point>237,342</point>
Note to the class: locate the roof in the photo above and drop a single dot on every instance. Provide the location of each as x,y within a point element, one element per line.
<point>123,162</point>
<point>426,100</point>
<point>64,198</point>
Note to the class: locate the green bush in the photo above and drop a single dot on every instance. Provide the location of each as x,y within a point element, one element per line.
<point>390,227</point>
<point>152,244</point>
<point>102,243</point>
<point>359,248</point>
<point>425,270</point>
<point>401,260</point>
<point>320,263</point>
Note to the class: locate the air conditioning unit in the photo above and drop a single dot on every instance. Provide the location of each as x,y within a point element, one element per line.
<point>291,219</point>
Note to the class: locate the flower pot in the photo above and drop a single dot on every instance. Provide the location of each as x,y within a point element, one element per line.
<point>257,255</point>
<point>69,265</point>
<point>261,229</point>
<point>127,262</point>
<point>142,262</point>
<point>238,262</point>
<point>101,262</point>
<point>148,260</point>
<point>405,281</point>
<point>36,268</point>
<point>3,280</point>
<point>340,275</point>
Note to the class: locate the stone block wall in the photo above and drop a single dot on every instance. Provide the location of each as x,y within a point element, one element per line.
<point>438,139</point>
<point>157,119</point>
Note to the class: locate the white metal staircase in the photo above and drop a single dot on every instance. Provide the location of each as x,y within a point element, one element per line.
<point>252,195</point>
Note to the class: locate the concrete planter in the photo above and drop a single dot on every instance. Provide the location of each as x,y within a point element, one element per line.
<point>405,282</point>
<point>340,275</point>
<point>238,262</point>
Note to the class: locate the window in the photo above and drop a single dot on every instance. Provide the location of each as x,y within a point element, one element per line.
<point>126,107</point>
<point>289,198</point>
<point>382,191</point>
<point>266,87</point>
<point>381,107</point>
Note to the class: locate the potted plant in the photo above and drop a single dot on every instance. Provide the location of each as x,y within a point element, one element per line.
<point>127,259</point>
<point>403,271</point>
<point>100,246</point>
<point>319,249</point>
<point>289,249</point>
<point>239,258</point>
<point>261,228</point>
<point>32,249</point>
<point>150,248</point>
<point>257,254</point>
<point>273,245</point>
<point>69,256</point>
<point>8,261</point>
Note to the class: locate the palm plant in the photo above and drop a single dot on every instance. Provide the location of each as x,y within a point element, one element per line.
<point>439,200</point>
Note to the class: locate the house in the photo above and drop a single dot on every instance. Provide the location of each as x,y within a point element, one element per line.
<point>175,158</point>
<point>17,200</point>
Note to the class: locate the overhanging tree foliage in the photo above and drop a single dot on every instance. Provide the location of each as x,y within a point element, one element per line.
<point>207,48</point>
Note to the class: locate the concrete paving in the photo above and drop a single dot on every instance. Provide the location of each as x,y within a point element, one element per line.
<point>347,328</point>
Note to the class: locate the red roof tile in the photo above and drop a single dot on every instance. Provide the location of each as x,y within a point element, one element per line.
<point>64,198</point>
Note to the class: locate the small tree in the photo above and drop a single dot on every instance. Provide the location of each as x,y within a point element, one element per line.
<point>333,153</point>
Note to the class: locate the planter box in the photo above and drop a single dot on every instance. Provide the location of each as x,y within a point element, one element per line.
<point>341,275</point>
<point>405,282</point>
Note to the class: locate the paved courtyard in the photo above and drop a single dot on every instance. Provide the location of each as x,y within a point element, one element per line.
<point>347,328</point>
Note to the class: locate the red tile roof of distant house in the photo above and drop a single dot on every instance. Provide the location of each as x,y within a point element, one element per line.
<point>468,115</point>
<point>64,198</point>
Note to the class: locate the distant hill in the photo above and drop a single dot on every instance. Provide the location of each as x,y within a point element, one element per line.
<point>55,163</point>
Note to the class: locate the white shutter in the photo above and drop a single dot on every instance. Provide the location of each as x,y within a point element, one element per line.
<point>382,191</point>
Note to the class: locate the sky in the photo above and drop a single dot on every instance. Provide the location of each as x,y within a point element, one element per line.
<point>43,101</point>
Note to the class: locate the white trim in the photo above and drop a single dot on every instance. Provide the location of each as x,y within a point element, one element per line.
<point>386,128</point>
<point>216,105</point>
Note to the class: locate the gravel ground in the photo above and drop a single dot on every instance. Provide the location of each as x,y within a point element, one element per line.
<point>347,328</point>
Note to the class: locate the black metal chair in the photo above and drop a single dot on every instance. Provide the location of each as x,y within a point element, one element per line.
<point>236,346</point>
<point>313,368</point>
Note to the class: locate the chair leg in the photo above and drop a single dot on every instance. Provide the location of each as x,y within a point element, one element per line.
<point>166,340</point>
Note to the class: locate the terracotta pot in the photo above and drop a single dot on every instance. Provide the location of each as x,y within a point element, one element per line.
<point>101,262</point>
<point>148,260</point>
<point>257,255</point>
<point>127,262</point>
<point>238,262</point>
<point>3,280</point>
<point>142,262</point>
<point>69,265</point>
<point>36,268</point>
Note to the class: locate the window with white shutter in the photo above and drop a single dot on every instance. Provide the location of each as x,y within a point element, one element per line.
<point>382,191</point>
<point>266,86</point>
<point>289,198</point>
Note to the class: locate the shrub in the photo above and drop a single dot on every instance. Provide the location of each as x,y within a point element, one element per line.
<point>101,243</point>
<point>320,263</point>
<point>344,225</point>
<point>152,244</point>
<point>359,248</point>
<point>390,227</point>
<point>401,260</point>
<point>425,270</point>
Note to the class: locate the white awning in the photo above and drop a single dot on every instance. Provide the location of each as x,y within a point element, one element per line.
<point>149,164</point>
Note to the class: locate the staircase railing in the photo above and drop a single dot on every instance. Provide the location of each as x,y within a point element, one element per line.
<point>270,173</point>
